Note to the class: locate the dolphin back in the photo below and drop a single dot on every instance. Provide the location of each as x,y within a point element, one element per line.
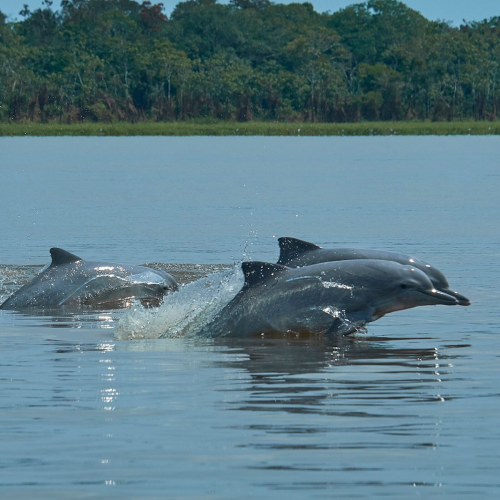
<point>69,280</point>
<point>299,253</point>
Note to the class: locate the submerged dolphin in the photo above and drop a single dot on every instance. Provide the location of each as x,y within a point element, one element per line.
<point>298,253</point>
<point>327,298</point>
<point>71,281</point>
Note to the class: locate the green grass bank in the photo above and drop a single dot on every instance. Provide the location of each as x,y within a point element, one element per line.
<point>224,128</point>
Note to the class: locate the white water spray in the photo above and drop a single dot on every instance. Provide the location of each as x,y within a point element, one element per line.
<point>184,312</point>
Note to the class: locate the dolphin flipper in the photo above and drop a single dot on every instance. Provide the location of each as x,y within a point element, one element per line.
<point>345,325</point>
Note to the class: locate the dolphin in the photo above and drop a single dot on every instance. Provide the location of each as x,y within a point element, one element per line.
<point>326,298</point>
<point>298,253</point>
<point>71,281</point>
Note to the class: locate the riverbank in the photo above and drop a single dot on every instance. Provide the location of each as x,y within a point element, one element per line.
<point>225,128</point>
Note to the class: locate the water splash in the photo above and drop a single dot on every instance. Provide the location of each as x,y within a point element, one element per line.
<point>14,277</point>
<point>185,312</point>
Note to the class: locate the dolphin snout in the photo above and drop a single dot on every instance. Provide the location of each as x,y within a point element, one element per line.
<point>462,299</point>
<point>440,297</point>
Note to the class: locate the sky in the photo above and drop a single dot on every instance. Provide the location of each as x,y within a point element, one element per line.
<point>450,10</point>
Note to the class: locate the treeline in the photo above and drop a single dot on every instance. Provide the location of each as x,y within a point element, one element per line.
<point>106,60</point>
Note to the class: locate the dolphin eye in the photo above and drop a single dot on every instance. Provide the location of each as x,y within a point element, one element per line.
<point>404,286</point>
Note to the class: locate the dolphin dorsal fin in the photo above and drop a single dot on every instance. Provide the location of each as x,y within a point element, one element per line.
<point>60,256</point>
<point>256,272</point>
<point>291,248</point>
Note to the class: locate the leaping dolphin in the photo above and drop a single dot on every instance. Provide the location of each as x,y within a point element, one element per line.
<point>298,253</point>
<point>72,281</point>
<point>327,298</point>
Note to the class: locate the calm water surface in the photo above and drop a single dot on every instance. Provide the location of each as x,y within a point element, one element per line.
<point>409,409</point>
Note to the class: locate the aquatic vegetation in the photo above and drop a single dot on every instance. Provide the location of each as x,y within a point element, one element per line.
<point>228,128</point>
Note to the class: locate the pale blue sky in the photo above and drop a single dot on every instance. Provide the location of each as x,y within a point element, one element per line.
<point>450,10</point>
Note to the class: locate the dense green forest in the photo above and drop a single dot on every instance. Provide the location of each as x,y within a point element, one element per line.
<point>120,60</point>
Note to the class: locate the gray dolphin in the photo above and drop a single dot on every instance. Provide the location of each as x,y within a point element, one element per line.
<point>298,253</point>
<point>327,298</point>
<point>71,281</point>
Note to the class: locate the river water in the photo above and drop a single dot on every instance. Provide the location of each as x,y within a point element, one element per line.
<point>90,409</point>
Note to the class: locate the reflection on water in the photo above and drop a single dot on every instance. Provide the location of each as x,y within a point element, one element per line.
<point>289,375</point>
<point>64,346</point>
<point>381,414</point>
<point>67,318</point>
